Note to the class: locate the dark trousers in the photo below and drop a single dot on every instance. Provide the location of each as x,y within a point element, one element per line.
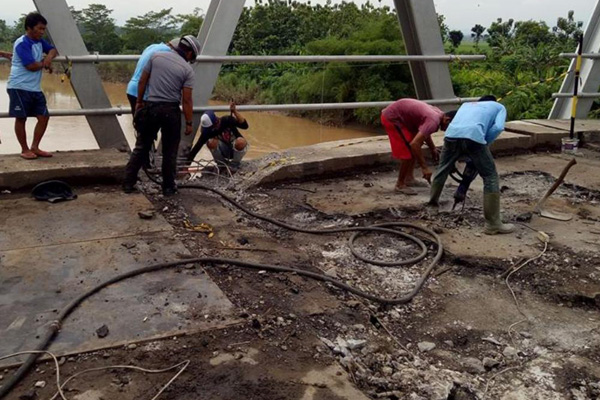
<point>479,154</point>
<point>132,101</point>
<point>165,117</point>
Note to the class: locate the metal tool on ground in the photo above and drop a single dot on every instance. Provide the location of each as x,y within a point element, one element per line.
<point>539,207</point>
<point>467,177</point>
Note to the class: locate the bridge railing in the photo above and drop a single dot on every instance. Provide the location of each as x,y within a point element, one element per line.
<point>582,95</point>
<point>265,59</point>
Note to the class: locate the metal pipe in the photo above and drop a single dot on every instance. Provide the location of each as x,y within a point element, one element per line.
<point>272,59</point>
<point>584,55</point>
<point>581,95</point>
<point>120,110</point>
<point>578,61</point>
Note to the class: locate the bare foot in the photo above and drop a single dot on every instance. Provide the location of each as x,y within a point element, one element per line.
<point>28,155</point>
<point>405,190</point>
<point>41,153</point>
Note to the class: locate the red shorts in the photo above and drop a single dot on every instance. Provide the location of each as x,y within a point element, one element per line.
<point>399,148</point>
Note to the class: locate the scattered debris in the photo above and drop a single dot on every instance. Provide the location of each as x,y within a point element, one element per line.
<point>525,217</point>
<point>40,384</point>
<point>129,245</point>
<point>102,332</point>
<point>424,347</point>
<point>146,214</point>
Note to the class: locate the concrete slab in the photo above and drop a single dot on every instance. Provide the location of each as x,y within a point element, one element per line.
<point>586,125</point>
<point>41,274</point>
<point>93,216</point>
<point>326,159</point>
<point>585,173</point>
<point>509,142</point>
<point>75,167</point>
<point>541,135</point>
<point>531,128</point>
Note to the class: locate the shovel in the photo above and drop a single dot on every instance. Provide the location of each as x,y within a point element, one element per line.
<point>539,208</point>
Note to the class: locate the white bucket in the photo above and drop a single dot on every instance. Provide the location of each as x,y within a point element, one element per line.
<point>569,146</point>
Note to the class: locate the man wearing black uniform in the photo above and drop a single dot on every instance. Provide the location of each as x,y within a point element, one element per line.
<point>222,137</point>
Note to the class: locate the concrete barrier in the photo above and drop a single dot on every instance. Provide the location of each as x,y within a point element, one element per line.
<point>344,156</point>
<point>75,167</point>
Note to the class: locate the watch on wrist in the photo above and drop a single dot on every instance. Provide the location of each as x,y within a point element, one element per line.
<point>189,123</point>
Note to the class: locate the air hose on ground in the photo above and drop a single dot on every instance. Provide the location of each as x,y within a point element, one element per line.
<point>390,228</point>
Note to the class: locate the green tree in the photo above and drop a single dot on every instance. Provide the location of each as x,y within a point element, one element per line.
<point>532,33</point>
<point>567,30</point>
<point>5,35</point>
<point>444,30</point>
<point>477,34</point>
<point>500,31</point>
<point>455,38</point>
<point>98,29</point>
<point>18,28</point>
<point>152,27</point>
<point>190,23</point>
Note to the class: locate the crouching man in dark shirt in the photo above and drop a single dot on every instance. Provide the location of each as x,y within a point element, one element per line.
<point>222,137</point>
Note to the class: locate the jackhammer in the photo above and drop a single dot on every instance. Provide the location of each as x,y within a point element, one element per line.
<point>466,178</point>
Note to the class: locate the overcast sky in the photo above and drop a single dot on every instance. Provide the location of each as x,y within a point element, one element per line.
<point>460,14</point>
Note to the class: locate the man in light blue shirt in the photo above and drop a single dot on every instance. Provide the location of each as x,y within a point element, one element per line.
<point>132,86</point>
<point>24,84</point>
<point>473,129</point>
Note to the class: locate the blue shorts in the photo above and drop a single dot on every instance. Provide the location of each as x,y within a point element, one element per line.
<point>24,103</point>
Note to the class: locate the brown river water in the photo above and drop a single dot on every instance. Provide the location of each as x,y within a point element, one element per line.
<point>268,132</point>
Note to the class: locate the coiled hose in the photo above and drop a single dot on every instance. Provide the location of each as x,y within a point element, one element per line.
<point>390,228</point>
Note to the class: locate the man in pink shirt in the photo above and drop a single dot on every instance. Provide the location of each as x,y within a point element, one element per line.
<point>409,123</point>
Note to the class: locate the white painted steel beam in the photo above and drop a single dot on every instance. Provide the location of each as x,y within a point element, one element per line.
<point>85,80</point>
<point>421,32</point>
<point>590,74</point>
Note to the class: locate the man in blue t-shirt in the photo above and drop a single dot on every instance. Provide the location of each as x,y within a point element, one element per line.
<point>471,132</point>
<point>132,86</point>
<point>23,87</point>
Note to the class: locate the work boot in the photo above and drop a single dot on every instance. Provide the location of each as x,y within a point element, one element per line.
<point>435,193</point>
<point>491,213</point>
<point>129,188</point>
<point>170,191</point>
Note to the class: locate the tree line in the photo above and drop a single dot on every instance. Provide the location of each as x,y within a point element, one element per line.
<point>522,66</point>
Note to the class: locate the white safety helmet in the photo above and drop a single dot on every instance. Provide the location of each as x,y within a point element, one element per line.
<point>191,43</point>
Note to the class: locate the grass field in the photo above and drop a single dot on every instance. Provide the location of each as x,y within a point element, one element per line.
<point>469,47</point>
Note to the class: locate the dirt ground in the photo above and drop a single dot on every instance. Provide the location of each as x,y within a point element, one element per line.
<point>469,334</point>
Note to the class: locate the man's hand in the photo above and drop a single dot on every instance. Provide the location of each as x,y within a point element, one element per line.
<point>138,105</point>
<point>427,174</point>
<point>47,64</point>
<point>435,155</point>
<point>188,130</point>
<point>232,107</point>
<point>6,55</point>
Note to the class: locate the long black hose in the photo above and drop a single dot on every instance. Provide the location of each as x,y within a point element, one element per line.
<point>54,327</point>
